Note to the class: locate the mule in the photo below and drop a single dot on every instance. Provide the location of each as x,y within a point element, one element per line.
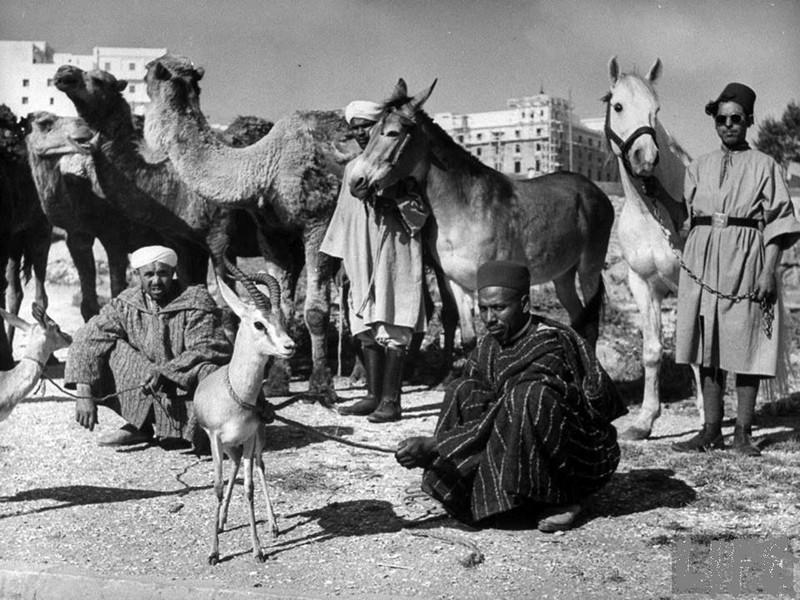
<point>558,224</point>
<point>651,167</point>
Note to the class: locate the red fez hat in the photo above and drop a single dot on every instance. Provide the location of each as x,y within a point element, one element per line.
<point>734,92</point>
<point>504,273</point>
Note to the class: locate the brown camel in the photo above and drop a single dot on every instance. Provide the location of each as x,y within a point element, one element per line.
<point>289,179</point>
<point>72,200</point>
<point>24,229</point>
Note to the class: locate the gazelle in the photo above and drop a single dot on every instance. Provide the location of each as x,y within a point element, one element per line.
<point>225,401</point>
<point>44,338</point>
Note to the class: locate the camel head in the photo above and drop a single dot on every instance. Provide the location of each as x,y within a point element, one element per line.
<point>97,95</point>
<point>172,81</point>
<point>51,135</point>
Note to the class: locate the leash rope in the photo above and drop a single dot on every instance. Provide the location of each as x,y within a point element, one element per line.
<point>284,420</point>
<point>767,308</point>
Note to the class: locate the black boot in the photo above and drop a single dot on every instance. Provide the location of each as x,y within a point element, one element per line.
<point>389,408</point>
<point>708,438</point>
<point>742,443</point>
<point>374,360</point>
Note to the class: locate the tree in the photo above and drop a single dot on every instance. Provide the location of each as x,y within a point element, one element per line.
<point>781,138</point>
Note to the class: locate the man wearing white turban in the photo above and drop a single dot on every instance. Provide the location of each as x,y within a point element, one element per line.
<point>151,345</point>
<point>378,240</point>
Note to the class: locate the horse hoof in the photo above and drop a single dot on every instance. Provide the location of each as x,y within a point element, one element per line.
<point>260,556</point>
<point>213,559</point>
<point>634,434</point>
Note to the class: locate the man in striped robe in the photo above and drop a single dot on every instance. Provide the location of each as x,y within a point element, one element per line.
<point>151,345</point>
<point>528,424</point>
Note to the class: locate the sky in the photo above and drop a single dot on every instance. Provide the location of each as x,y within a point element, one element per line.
<point>270,57</point>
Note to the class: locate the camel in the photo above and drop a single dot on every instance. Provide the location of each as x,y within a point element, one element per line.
<point>289,179</point>
<point>24,229</point>
<point>72,200</point>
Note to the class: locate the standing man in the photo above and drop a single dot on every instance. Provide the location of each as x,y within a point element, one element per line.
<point>379,242</point>
<point>151,344</point>
<point>528,424</point>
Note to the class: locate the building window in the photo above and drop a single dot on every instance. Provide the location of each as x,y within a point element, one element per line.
<point>538,147</point>
<point>516,133</point>
<point>26,82</point>
<point>479,137</point>
<point>461,139</point>
<point>49,83</point>
<point>132,89</point>
<point>108,66</point>
<point>517,166</point>
<point>52,101</point>
<point>517,148</point>
<point>580,139</point>
<point>477,151</point>
<point>589,173</point>
<point>131,66</point>
<point>24,99</point>
<point>537,166</point>
<point>538,131</point>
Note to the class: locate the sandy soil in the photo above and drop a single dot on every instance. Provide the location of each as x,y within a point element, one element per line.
<point>347,529</point>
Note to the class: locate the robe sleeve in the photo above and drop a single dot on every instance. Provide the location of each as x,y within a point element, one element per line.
<point>91,346</point>
<point>782,226</point>
<point>206,348</point>
<point>690,186</point>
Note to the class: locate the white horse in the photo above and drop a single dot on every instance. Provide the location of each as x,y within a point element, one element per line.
<point>651,166</point>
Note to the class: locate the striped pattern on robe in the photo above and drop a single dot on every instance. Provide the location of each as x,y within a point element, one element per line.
<point>527,423</point>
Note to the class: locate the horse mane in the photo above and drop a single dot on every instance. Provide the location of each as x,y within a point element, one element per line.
<point>451,155</point>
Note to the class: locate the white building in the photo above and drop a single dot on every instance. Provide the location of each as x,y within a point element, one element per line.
<point>27,69</point>
<point>530,138</point>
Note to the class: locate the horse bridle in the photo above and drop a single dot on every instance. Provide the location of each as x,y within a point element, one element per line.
<point>625,145</point>
<point>408,125</point>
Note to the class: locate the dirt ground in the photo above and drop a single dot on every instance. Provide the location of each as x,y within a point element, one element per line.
<point>347,528</point>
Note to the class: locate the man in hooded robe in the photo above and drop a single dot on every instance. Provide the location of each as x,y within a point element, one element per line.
<point>150,345</point>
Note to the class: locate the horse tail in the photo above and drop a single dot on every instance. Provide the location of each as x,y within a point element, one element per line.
<point>588,322</point>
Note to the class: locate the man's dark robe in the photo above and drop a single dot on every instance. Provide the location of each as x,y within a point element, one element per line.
<point>130,338</point>
<point>528,422</point>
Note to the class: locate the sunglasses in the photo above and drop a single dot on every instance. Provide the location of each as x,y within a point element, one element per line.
<point>735,119</point>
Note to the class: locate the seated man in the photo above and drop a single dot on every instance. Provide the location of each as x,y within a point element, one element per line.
<point>152,344</point>
<point>528,424</point>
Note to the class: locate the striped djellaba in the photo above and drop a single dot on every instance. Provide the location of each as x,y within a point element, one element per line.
<point>117,349</point>
<point>529,422</point>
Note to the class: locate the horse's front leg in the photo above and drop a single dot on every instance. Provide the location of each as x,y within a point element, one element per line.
<point>648,299</point>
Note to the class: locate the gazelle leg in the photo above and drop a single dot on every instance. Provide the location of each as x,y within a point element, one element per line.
<point>272,524</point>
<point>236,458</point>
<point>216,455</point>
<point>248,493</point>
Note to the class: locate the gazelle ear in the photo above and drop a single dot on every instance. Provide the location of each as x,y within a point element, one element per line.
<point>15,321</point>
<point>613,70</point>
<point>655,71</point>
<point>231,299</point>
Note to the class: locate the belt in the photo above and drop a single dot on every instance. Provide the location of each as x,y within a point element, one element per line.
<point>723,220</point>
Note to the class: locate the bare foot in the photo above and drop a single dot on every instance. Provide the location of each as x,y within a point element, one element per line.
<point>416,451</point>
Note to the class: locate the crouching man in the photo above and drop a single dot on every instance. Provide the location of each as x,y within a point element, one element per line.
<point>151,345</point>
<point>528,424</point>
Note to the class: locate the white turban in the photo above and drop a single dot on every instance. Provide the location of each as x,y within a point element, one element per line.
<point>150,254</point>
<point>363,109</point>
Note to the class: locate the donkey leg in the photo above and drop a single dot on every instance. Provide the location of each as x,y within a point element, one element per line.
<point>249,448</point>
<point>216,455</point>
<point>648,298</point>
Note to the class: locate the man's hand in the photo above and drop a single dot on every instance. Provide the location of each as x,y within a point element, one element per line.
<point>85,408</point>
<point>766,287</point>
<point>154,382</point>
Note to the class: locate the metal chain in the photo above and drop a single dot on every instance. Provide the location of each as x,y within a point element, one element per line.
<point>767,308</point>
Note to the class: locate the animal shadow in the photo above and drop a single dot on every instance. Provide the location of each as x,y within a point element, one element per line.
<point>639,490</point>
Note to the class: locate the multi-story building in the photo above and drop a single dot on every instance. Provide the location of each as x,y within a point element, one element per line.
<point>531,137</point>
<point>27,69</point>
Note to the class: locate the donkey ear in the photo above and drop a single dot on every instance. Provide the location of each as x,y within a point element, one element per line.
<point>231,299</point>
<point>160,71</point>
<point>655,71</point>
<point>613,70</point>
<point>198,73</point>
<point>420,99</point>
<point>15,321</point>
<point>121,85</point>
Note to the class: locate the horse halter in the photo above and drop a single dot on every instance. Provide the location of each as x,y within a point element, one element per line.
<point>625,145</point>
<point>408,125</point>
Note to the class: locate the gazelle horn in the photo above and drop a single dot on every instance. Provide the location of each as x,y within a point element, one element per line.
<point>272,285</point>
<point>261,301</point>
